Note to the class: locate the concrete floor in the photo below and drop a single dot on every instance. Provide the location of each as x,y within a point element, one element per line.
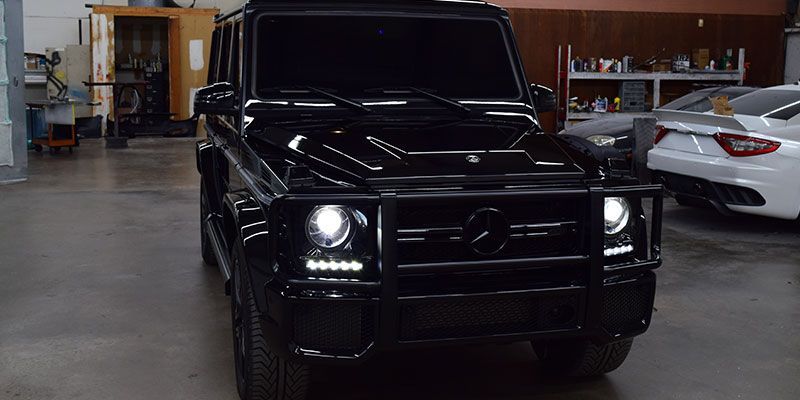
<point>104,296</point>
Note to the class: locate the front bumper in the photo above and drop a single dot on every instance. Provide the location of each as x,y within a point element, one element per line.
<point>579,296</point>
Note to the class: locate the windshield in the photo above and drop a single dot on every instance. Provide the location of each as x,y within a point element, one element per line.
<point>355,55</point>
<point>776,104</point>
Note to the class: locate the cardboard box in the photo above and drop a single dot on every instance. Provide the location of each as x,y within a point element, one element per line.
<point>663,67</point>
<point>721,106</point>
<point>700,58</point>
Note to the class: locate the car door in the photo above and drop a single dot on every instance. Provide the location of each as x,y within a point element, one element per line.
<point>225,127</point>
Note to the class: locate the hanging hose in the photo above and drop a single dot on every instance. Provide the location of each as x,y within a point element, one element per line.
<point>50,65</point>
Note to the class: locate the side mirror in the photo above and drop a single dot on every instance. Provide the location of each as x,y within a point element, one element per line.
<point>544,98</point>
<point>219,98</point>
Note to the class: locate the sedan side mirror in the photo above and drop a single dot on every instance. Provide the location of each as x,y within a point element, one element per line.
<point>544,98</point>
<point>219,98</point>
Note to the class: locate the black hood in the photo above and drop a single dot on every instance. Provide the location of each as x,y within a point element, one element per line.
<point>403,153</point>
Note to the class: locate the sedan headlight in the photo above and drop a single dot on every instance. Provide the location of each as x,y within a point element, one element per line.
<point>617,213</point>
<point>329,227</point>
<point>602,140</point>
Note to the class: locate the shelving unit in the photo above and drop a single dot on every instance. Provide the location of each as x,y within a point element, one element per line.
<point>35,77</point>
<point>656,77</point>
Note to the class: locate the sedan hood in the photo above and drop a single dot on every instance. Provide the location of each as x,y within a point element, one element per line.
<point>397,153</point>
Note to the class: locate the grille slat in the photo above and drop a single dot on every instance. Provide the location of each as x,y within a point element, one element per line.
<point>430,233</point>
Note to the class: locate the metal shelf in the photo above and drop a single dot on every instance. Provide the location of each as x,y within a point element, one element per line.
<point>35,79</point>
<point>663,76</point>
<point>584,116</point>
<point>655,77</point>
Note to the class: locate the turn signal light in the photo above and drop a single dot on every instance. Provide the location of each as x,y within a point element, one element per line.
<point>661,131</point>
<point>745,146</point>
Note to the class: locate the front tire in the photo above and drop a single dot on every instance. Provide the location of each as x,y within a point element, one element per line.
<point>260,373</point>
<point>582,358</point>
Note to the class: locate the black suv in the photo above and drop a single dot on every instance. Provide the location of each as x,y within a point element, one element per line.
<point>375,178</point>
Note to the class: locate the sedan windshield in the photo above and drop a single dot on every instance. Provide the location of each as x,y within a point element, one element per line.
<point>353,55</point>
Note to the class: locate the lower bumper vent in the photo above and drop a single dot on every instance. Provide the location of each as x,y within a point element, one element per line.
<point>627,307</point>
<point>334,327</point>
<point>465,318</point>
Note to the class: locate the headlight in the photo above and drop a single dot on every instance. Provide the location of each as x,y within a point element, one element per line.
<point>602,140</point>
<point>328,227</point>
<point>617,213</point>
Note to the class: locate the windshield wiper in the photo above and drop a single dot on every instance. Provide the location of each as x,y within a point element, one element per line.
<point>342,101</point>
<point>451,104</point>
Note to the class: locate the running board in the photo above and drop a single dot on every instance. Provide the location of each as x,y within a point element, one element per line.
<point>223,261</point>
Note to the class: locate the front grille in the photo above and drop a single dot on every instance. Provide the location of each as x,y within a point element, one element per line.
<point>627,307</point>
<point>334,327</point>
<point>430,233</point>
<point>465,318</point>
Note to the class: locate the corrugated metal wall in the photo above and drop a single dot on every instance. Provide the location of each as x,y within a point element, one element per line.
<point>6,128</point>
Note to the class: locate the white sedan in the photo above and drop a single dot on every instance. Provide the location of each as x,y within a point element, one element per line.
<point>747,163</point>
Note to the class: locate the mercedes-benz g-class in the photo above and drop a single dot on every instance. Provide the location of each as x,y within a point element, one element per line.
<point>376,178</point>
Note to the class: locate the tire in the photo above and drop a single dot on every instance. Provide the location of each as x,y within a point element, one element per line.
<point>205,243</point>
<point>683,201</point>
<point>260,373</point>
<point>582,358</point>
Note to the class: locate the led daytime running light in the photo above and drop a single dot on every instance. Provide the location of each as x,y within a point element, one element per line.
<point>616,251</point>
<point>334,265</point>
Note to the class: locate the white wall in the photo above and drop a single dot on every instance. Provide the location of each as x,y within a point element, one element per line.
<point>54,23</point>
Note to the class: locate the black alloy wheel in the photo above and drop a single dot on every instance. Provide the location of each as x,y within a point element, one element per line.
<point>260,373</point>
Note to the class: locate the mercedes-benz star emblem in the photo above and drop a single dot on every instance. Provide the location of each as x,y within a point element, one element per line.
<point>473,159</point>
<point>486,231</point>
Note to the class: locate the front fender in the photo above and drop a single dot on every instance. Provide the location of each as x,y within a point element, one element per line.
<point>245,222</point>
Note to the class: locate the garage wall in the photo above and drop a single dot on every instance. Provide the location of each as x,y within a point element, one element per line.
<point>642,35</point>
<point>60,17</point>
<point>743,7</point>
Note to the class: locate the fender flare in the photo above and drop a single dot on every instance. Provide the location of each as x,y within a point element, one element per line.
<point>245,219</point>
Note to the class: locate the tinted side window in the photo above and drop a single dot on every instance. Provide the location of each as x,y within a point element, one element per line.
<point>777,104</point>
<point>225,54</point>
<point>214,55</point>
<point>236,56</point>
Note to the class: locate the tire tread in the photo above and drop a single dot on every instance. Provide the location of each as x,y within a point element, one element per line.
<point>583,359</point>
<point>269,376</point>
